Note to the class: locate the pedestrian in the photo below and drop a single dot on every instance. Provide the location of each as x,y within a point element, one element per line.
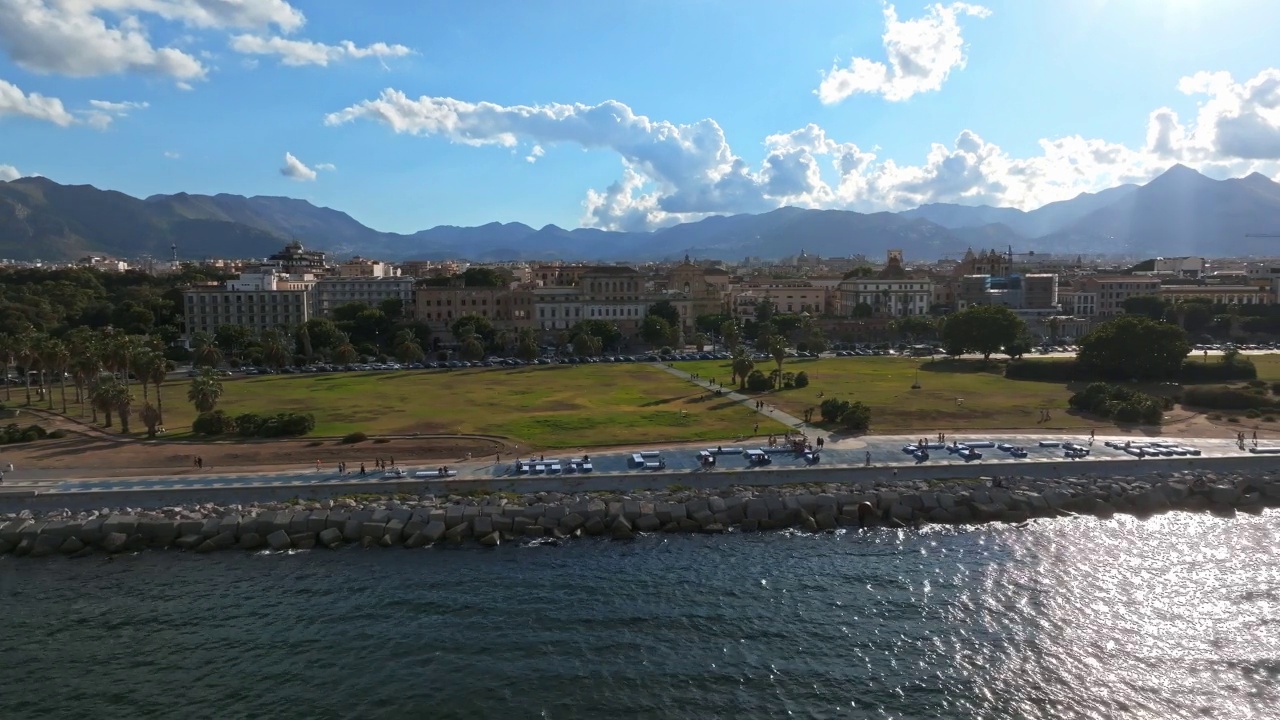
<point>393,462</point>
<point>756,429</point>
<point>1255,438</point>
<point>362,471</point>
<point>317,466</point>
<point>497,458</point>
<point>195,461</point>
<point>868,458</point>
<point>200,462</point>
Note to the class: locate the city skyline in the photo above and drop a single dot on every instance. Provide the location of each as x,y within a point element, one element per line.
<point>424,116</point>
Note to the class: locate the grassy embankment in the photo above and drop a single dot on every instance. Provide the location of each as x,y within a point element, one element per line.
<point>557,406</point>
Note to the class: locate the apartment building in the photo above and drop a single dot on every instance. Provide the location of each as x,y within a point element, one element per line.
<point>332,293</point>
<point>259,301</point>
<point>892,292</point>
<point>1113,290</point>
<point>787,296</point>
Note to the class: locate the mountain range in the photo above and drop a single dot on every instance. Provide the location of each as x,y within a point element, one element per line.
<point>1180,212</point>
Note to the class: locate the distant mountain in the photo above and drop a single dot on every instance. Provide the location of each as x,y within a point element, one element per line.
<point>1030,224</point>
<point>1180,212</point>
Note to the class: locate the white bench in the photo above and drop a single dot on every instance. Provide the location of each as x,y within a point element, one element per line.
<point>585,467</point>
<point>650,453</point>
<point>428,474</point>
<point>554,467</point>
<point>652,465</point>
<point>638,459</point>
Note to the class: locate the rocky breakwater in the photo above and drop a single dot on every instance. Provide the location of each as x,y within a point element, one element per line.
<point>491,519</point>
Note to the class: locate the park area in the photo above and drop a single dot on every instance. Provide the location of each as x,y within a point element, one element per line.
<point>547,407</point>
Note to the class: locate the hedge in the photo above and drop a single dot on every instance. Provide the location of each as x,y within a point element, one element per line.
<point>1120,403</point>
<point>1217,397</point>
<point>1193,371</point>
<point>253,424</point>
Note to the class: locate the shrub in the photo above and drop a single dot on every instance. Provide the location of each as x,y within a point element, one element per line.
<point>249,424</point>
<point>759,382</point>
<point>1215,416</point>
<point>380,441</point>
<point>1275,388</point>
<point>802,379</point>
<point>353,438</point>
<point>1253,413</point>
<point>57,434</point>
<point>1195,371</point>
<point>1233,419</point>
<point>857,418</point>
<point>1221,397</point>
<point>1257,383</point>
<point>213,423</point>
<point>831,409</point>
<point>1120,403</point>
<point>1268,418</point>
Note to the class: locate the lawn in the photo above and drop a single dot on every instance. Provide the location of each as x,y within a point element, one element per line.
<point>556,406</point>
<point>987,399</point>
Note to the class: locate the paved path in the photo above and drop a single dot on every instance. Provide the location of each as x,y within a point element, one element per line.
<point>795,423</point>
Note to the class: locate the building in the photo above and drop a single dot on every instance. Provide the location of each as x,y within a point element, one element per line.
<point>1218,294</point>
<point>1112,290</point>
<point>1183,267</point>
<point>787,296</point>
<point>297,260</point>
<point>1078,303</point>
<point>332,293</point>
<point>358,267</point>
<point>891,292</point>
<point>440,305</point>
<point>1020,292</point>
<point>260,301</point>
<point>988,262</point>
<point>613,293</point>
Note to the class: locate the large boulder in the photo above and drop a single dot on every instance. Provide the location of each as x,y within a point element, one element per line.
<point>46,545</point>
<point>434,531</point>
<point>621,529</point>
<point>594,525</point>
<point>224,540</point>
<point>114,542</point>
<point>279,540</point>
<point>250,541</point>
<point>304,540</point>
<point>491,540</point>
<point>330,538</point>
<point>189,542</point>
<point>571,522</point>
<point>416,540</point>
<point>647,523</point>
<point>71,546</point>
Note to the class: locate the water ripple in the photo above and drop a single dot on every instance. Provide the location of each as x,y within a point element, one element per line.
<point>1174,617</point>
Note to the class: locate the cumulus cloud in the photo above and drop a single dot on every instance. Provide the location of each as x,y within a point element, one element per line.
<point>680,172</point>
<point>921,54</point>
<point>534,154</point>
<point>305,52</point>
<point>9,172</point>
<point>83,38</point>
<point>295,169</point>
<point>13,101</point>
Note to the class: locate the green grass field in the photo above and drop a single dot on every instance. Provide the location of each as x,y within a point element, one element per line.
<point>884,383</point>
<point>557,406</point>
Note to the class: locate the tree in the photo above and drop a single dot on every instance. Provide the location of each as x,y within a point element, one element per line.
<point>667,311</point>
<point>110,395</point>
<point>527,345</point>
<point>277,351</point>
<point>606,331</point>
<point>472,349</point>
<point>344,352</point>
<point>6,362</point>
<point>1134,346</point>
<point>1018,347</point>
<point>323,334</point>
<point>233,339</point>
<point>699,341</point>
<point>916,327</point>
<point>732,336</point>
<point>484,277</point>
<point>862,271</point>
<point>407,347</point>
<point>480,326</point>
<point>204,391</point>
<point>765,310</point>
<point>765,333</point>
<point>586,345</point>
<point>778,349</point>
<point>862,310</point>
<point>742,367</point>
<point>392,307</point>
<point>156,373</point>
<point>150,417</point>
<point>655,330</point>
<point>1151,306</point>
<point>983,329</point>
<point>758,382</point>
<point>712,323</point>
<point>205,351</point>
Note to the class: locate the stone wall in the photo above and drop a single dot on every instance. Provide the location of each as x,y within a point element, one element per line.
<point>494,518</point>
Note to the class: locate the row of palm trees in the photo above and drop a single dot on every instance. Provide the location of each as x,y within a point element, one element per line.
<point>102,365</point>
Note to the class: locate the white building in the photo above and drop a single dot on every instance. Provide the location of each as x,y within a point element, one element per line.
<point>891,292</point>
<point>332,293</point>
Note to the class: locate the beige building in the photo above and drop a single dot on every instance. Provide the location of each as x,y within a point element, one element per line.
<point>358,267</point>
<point>330,294</point>
<point>787,296</point>
<point>891,292</point>
<point>1113,290</point>
<point>260,306</point>
<point>440,305</point>
<point>1218,294</point>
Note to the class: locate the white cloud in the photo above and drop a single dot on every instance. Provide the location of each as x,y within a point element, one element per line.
<point>921,54</point>
<point>680,172</point>
<point>294,169</point>
<point>118,108</point>
<point>326,167</point>
<point>9,172</point>
<point>534,154</point>
<point>172,155</point>
<point>13,101</point>
<point>306,52</point>
<point>83,38</point>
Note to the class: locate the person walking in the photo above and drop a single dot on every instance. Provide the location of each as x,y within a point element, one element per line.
<point>868,458</point>
<point>362,471</point>
<point>317,466</point>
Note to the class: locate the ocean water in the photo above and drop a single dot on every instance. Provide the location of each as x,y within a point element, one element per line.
<point>1174,617</point>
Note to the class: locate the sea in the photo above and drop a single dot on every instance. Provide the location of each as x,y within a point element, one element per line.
<point>1172,617</point>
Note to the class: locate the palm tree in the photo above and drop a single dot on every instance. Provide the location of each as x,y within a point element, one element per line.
<point>86,368</point>
<point>729,333</point>
<point>527,345</point>
<point>778,349</point>
<point>205,391</point>
<point>57,357</point>
<point>156,373</point>
<point>345,353</point>
<point>742,367</point>
<point>276,352</point>
<point>26,348</point>
<point>6,360</point>
<point>205,352</point>
<point>406,346</point>
<point>111,395</point>
<point>150,416</point>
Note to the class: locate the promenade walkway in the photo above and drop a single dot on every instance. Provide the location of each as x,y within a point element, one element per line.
<point>812,431</point>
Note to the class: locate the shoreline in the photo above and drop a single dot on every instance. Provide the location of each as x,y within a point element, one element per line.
<point>493,517</point>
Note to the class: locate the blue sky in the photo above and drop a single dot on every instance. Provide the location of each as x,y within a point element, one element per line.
<point>634,114</point>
